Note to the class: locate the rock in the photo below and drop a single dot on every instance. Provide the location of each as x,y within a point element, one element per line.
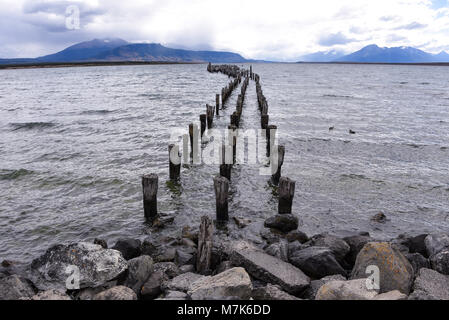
<point>396,273</point>
<point>222,267</point>
<point>101,242</point>
<point>186,268</point>
<point>297,235</point>
<point>345,290</point>
<point>14,287</point>
<point>148,248</point>
<point>282,222</point>
<point>392,295</point>
<point>338,246</point>
<point>51,295</point>
<point>139,270</point>
<point>435,243</point>
<point>317,262</point>
<point>241,222</point>
<point>162,221</point>
<point>174,295</point>
<point>315,285</point>
<point>416,244</point>
<point>440,262</point>
<point>96,266</point>
<point>267,268</point>
<point>234,282</point>
<point>295,246</point>
<point>152,287</point>
<point>168,268</point>
<point>379,218</point>
<point>278,250</point>
<point>271,292</point>
<point>188,243</point>
<point>356,244</point>
<point>167,255</point>
<point>116,293</point>
<point>130,248</point>
<point>430,285</point>
<point>188,233</point>
<point>218,255</point>
<point>417,261</point>
<point>181,282</point>
<point>182,257</point>
<point>271,235</point>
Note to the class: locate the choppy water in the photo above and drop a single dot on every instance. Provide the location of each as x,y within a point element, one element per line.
<point>75,141</point>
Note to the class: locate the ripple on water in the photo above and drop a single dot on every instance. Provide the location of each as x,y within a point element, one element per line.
<point>6,174</point>
<point>31,125</point>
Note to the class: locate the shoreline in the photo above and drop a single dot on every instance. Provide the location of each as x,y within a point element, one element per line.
<point>45,65</point>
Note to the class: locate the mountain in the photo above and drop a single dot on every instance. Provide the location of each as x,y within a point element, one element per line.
<point>442,57</point>
<point>322,56</point>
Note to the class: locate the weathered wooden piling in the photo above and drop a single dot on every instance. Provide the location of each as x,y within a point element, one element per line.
<point>264,121</point>
<point>150,186</point>
<point>205,242</point>
<point>221,186</point>
<point>193,134</point>
<point>203,120</point>
<point>271,137</point>
<point>286,194</point>
<point>174,161</point>
<point>232,138</point>
<point>217,103</point>
<point>210,116</point>
<point>225,171</point>
<point>277,160</point>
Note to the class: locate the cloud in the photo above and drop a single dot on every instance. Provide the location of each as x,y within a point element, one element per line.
<point>412,26</point>
<point>329,40</point>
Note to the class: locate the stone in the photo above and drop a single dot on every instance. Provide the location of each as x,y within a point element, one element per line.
<point>338,246</point>
<point>282,222</point>
<point>188,243</point>
<point>430,285</point>
<point>435,243</point>
<point>222,267</point>
<point>241,222</point>
<point>14,287</point>
<point>234,282</point>
<point>417,261</point>
<point>417,244</point>
<point>356,244</point>
<point>168,268</point>
<point>175,295</point>
<point>181,282</point>
<point>139,270</point>
<point>96,266</point>
<point>148,248</point>
<point>297,235</point>
<point>396,273</point>
<point>267,268</point>
<point>130,248</point>
<point>51,295</point>
<point>345,290</point>
<point>315,285</point>
<point>152,287</point>
<point>188,233</point>
<point>379,218</point>
<point>440,262</point>
<point>101,242</point>
<point>271,235</point>
<point>186,268</point>
<point>271,292</point>
<point>182,257</point>
<point>392,295</point>
<point>317,262</point>
<point>218,255</point>
<point>167,255</point>
<point>278,250</point>
<point>116,293</point>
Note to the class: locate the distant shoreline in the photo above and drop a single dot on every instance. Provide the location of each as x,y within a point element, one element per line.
<point>430,64</point>
<point>87,64</point>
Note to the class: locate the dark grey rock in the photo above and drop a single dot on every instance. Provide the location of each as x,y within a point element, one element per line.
<point>139,270</point>
<point>356,244</point>
<point>167,255</point>
<point>379,218</point>
<point>222,267</point>
<point>53,295</point>
<point>282,222</point>
<point>149,248</point>
<point>278,250</point>
<point>315,285</point>
<point>435,243</point>
<point>430,285</point>
<point>186,268</point>
<point>295,246</point>
<point>101,242</point>
<point>440,262</point>
<point>338,246</point>
<point>317,262</point>
<point>417,261</point>
<point>130,248</point>
<point>271,235</point>
<point>14,287</point>
<point>168,268</point>
<point>416,244</point>
<point>116,293</point>
<point>297,235</point>
<point>182,257</point>
<point>152,287</point>
<point>181,282</point>
<point>271,292</point>
<point>174,295</point>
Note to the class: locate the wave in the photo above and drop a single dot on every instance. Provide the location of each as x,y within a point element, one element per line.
<point>337,96</point>
<point>6,174</point>
<point>31,125</point>
<point>87,112</point>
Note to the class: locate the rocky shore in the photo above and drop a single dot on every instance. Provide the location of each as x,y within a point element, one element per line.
<point>285,265</point>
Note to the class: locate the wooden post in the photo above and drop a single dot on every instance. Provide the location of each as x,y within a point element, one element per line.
<point>203,123</point>
<point>210,115</point>
<point>221,186</point>
<point>225,171</point>
<point>264,121</point>
<point>175,161</point>
<point>217,103</point>
<point>271,137</point>
<point>277,160</point>
<point>286,194</point>
<point>150,185</point>
<point>205,242</point>
<point>193,133</point>
<point>233,140</point>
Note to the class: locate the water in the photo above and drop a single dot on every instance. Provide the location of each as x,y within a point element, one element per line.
<point>75,141</point>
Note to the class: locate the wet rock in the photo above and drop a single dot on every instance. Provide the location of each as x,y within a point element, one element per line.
<point>96,266</point>
<point>435,243</point>
<point>51,295</point>
<point>317,262</point>
<point>14,287</point>
<point>241,222</point>
<point>417,261</point>
<point>167,255</point>
<point>282,222</point>
<point>188,233</point>
<point>315,285</point>
<point>182,257</point>
<point>345,290</point>
<point>101,242</point>
<point>218,255</point>
<point>415,244</point>
<point>116,293</point>
<point>188,243</point>
<point>267,268</point>
<point>430,285</point>
<point>181,282</point>
<point>148,248</point>
<point>139,270</point>
<point>392,296</point>
<point>295,246</point>
<point>162,221</point>
<point>152,287</point>
<point>297,235</point>
<point>234,282</point>
<point>168,268</point>
<point>130,248</point>
<point>379,218</point>
<point>338,246</point>
<point>222,267</point>
<point>271,235</point>
<point>278,250</point>
<point>271,292</point>
<point>186,268</point>
<point>440,262</point>
<point>175,295</point>
<point>356,244</point>
<point>396,273</point>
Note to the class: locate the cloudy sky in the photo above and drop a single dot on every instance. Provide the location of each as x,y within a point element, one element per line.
<point>259,29</point>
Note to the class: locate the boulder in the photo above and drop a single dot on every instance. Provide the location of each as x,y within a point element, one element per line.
<point>282,222</point>
<point>139,270</point>
<point>186,268</point>
<point>188,233</point>
<point>278,250</point>
<point>181,282</point>
<point>345,290</point>
<point>234,282</point>
<point>396,273</point>
<point>297,235</point>
<point>440,262</point>
<point>315,285</point>
<point>116,293</point>
<point>416,244</point>
<point>435,243</point>
<point>222,267</point>
<point>51,295</point>
<point>152,287</point>
<point>267,268</point>
<point>430,285</point>
<point>96,266</point>
<point>182,257</point>
<point>101,242</point>
<point>175,295</point>
<point>14,287</point>
<point>356,244</point>
<point>271,235</point>
<point>271,292</point>
<point>379,218</point>
<point>149,248</point>
<point>130,248</point>
<point>317,262</point>
<point>338,246</point>
<point>166,255</point>
<point>417,261</point>
<point>168,268</point>
<point>392,295</point>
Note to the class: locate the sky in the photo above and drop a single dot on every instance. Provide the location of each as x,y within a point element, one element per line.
<point>281,30</point>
